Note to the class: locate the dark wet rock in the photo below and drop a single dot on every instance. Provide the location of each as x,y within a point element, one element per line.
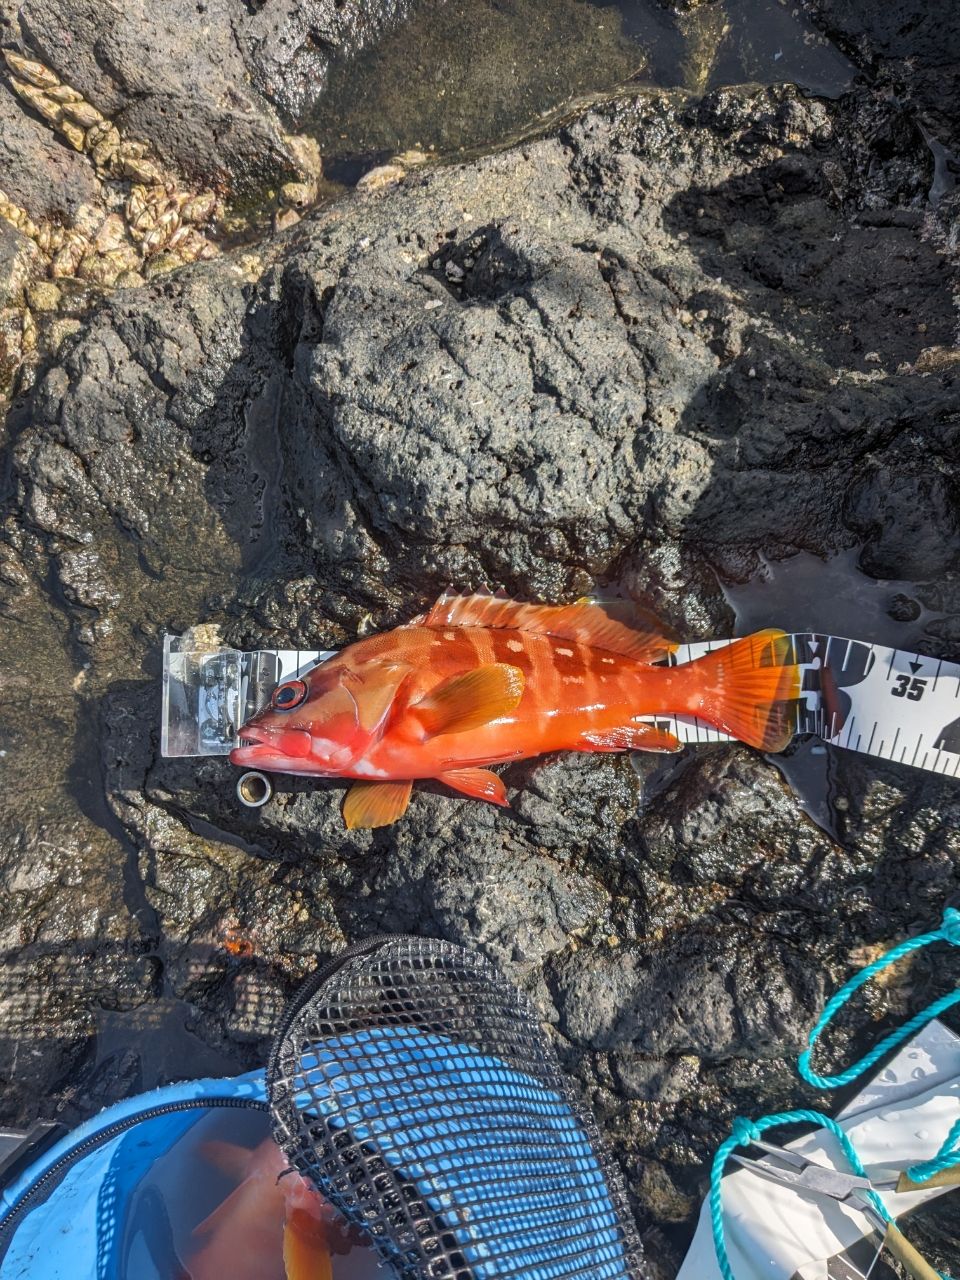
<point>685,6</point>
<point>676,337</point>
<point>288,49</point>
<point>908,509</point>
<point>909,46</point>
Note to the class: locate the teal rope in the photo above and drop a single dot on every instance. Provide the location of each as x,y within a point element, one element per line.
<point>746,1131</point>
<point>946,1158</point>
<point>949,931</point>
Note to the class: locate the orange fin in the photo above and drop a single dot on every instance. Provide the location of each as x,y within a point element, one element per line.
<point>747,688</point>
<point>375,804</point>
<point>631,737</point>
<point>481,784</point>
<point>305,1252</point>
<point>600,625</point>
<point>471,700</point>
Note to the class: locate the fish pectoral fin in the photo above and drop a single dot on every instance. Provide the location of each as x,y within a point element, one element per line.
<point>470,700</point>
<point>306,1255</point>
<point>375,804</point>
<point>229,1158</point>
<point>481,784</point>
<point>631,737</point>
<point>376,695</point>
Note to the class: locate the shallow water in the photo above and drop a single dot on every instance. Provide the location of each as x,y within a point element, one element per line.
<point>467,75</point>
<point>805,593</point>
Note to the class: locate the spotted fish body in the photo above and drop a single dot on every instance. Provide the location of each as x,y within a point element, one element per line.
<point>481,680</point>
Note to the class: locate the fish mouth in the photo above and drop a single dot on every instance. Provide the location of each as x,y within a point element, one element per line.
<point>254,752</point>
<point>283,751</point>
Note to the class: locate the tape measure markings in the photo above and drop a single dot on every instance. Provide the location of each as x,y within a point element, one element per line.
<point>865,675</point>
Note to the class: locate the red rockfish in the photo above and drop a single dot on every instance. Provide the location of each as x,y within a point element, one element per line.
<point>481,680</point>
<point>272,1226</point>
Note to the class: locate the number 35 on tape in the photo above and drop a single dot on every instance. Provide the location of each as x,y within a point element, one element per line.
<point>887,703</point>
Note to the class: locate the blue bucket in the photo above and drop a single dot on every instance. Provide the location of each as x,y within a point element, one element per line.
<point>88,1209</point>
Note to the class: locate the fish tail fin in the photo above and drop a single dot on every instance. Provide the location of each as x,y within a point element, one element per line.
<point>306,1254</point>
<point>747,689</point>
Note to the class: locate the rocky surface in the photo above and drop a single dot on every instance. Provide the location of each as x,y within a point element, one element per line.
<point>288,54</point>
<point>213,86</point>
<point>907,46</point>
<point>40,174</point>
<point>670,340</point>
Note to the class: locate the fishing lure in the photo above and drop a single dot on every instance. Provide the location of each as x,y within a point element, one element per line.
<point>482,680</point>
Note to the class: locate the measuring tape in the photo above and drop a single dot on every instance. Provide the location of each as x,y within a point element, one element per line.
<point>881,702</point>
<point>888,703</point>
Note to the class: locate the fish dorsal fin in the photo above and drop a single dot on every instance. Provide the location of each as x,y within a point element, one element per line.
<point>615,626</point>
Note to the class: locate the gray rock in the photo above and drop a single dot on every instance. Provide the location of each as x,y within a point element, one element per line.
<point>210,86</point>
<point>654,362</point>
<point>19,264</point>
<point>173,77</point>
<point>40,173</point>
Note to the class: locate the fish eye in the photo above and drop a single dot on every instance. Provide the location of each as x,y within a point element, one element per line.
<point>287,696</point>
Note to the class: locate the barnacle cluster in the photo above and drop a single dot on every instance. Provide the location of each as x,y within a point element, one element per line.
<point>148,223</point>
<point>145,221</point>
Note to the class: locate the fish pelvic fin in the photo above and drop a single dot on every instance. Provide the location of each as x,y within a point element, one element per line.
<point>468,701</point>
<point>748,688</point>
<point>375,804</point>
<point>306,1254</point>
<point>480,784</point>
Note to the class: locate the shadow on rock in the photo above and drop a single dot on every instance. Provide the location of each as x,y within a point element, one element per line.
<point>94,1022</point>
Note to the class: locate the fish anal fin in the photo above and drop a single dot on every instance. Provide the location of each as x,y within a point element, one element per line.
<point>616,626</point>
<point>631,737</point>
<point>375,804</point>
<point>480,784</point>
<point>748,688</point>
<point>306,1254</point>
<point>470,700</point>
